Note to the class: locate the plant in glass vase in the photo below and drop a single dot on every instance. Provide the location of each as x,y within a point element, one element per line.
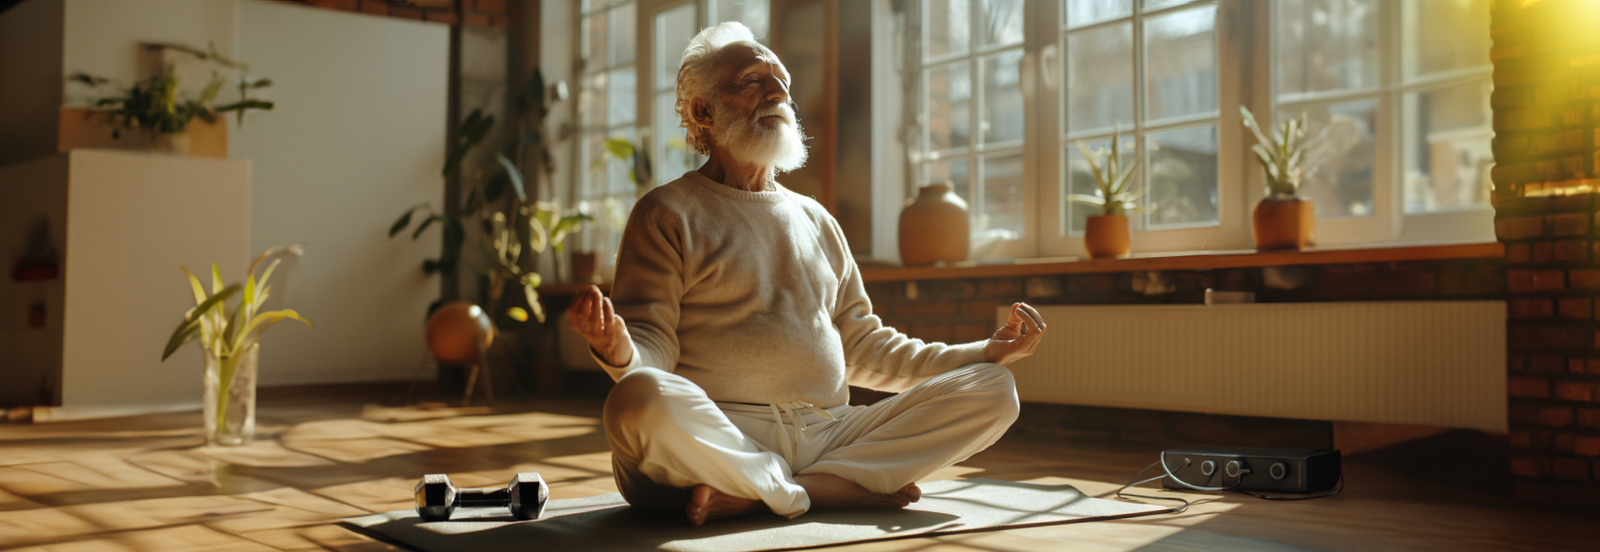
<point>1106,235</point>
<point>1283,219</point>
<point>231,343</point>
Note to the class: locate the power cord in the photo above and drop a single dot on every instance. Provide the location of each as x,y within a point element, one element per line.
<point>1242,471</point>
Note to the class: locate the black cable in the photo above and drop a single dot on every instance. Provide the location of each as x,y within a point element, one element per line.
<point>1131,483</point>
<point>1324,495</point>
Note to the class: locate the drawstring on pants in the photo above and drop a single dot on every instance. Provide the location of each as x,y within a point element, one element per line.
<point>793,409</point>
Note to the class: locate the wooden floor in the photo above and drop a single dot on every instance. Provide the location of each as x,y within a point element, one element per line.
<point>146,484</point>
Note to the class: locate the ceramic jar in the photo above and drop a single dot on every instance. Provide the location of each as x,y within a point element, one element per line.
<point>934,227</point>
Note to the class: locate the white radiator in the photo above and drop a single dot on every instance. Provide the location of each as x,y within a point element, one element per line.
<point>1438,363</point>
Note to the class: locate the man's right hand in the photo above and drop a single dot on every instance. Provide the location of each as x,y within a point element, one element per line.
<point>593,317</point>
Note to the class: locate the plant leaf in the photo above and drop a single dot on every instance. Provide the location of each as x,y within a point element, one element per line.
<point>1089,199</point>
<point>194,284</point>
<point>1094,166</point>
<point>619,148</point>
<point>401,224</point>
<point>538,238</point>
<point>216,279</point>
<point>530,292</point>
<point>515,174</point>
<point>183,334</point>
<point>567,225</point>
<point>516,313</point>
<point>424,226</point>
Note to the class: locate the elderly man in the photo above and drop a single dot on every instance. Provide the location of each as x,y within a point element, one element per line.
<point>738,318</point>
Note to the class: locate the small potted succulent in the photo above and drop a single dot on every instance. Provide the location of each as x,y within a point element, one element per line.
<point>1106,235</point>
<point>1283,220</point>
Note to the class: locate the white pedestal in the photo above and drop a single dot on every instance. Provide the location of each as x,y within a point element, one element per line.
<point>122,223</point>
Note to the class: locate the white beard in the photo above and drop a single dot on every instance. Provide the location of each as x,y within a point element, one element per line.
<point>781,146</point>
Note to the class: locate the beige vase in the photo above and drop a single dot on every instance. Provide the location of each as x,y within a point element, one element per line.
<point>1284,224</point>
<point>934,228</point>
<point>1106,236</point>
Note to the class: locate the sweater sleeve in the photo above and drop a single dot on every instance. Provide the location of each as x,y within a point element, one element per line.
<point>649,285</point>
<point>879,357</point>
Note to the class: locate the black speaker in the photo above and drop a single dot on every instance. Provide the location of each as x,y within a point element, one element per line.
<point>1252,469</point>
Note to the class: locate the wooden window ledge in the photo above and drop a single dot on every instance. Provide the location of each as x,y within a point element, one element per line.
<point>1188,260</point>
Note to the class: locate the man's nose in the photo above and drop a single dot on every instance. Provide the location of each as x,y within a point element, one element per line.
<point>777,91</point>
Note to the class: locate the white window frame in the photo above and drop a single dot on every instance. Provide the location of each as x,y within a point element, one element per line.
<point>1245,57</point>
<point>1232,229</point>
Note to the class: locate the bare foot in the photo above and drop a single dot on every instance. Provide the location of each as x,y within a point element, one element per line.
<point>706,504</point>
<point>830,491</point>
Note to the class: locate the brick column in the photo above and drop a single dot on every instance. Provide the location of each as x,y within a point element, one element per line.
<point>1547,124</point>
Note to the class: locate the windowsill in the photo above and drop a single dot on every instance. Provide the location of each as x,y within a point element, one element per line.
<point>1187,260</point>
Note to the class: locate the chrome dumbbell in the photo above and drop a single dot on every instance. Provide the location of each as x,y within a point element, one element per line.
<point>525,497</point>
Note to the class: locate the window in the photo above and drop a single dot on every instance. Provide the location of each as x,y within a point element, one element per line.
<point>1396,94</point>
<point>607,108</point>
<point>973,110</point>
<point>671,153</point>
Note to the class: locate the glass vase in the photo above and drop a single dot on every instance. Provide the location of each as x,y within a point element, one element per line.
<point>230,400</point>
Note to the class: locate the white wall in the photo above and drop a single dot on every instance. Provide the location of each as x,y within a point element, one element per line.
<point>103,36</point>
<point>357,137</point>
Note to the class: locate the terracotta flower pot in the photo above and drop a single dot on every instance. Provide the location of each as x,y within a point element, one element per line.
<point>1106,236</point>
<point>1284,224</point>
<point>583,267</point>
<point>934,228</point>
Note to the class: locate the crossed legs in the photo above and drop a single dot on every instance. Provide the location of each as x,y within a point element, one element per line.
<point>674,449</point>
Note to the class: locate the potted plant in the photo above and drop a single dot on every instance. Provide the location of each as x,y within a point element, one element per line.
<point>231,342</point>
<point>1283,219</point>
<point>154,114</point>
<point>1106,234</point>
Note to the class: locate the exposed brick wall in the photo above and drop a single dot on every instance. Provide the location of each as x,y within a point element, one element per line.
<point>474,13</point>
<point>1547,123</point>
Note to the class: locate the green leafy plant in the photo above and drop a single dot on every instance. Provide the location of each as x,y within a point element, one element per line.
<point>510,222</point>
<point>1112,180</point>
<point>154,104</point>
<point>225,334</point>
<point>627,152</point>
<point>1283,157</point>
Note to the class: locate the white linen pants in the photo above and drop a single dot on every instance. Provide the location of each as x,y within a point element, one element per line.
<point>667,437</point>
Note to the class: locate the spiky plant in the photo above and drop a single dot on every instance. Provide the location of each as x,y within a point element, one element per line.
<point>1111,179</point>
<point>1283,157</point>
<point>226,335</point>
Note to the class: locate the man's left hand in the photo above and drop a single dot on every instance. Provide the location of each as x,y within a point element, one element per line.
<point>1018,338</point>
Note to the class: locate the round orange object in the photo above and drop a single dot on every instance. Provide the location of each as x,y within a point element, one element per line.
<point>456,330</point>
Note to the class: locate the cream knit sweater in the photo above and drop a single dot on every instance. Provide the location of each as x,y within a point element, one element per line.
<point>754,297</point>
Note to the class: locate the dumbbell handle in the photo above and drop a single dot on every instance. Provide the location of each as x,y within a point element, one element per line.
<point>483,497</point>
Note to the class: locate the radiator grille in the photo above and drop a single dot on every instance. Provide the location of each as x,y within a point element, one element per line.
<point>1439,363</point>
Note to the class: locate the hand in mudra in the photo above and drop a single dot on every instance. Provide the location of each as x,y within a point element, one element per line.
<point>1018,338</point>
<point>593,317</point>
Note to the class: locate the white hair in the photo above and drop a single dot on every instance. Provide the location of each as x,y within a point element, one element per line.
<point>697,78</point>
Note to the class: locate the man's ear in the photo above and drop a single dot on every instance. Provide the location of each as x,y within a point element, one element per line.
<point>700,111</point>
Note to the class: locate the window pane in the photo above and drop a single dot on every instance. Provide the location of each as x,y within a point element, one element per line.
<point>621,98</point>
<point>592,101</point>
<point>753,13</point>
<point>674,28</point>
<point>673,156</point>
<point>1083,12</point>
<point>622,34</point>
<point>1448,133</point>
<point>1002,21</point>
<point>594,43</point>
<point>1003,201</point>
<point>1182,173</point>
<point>619,173</point>
<point>1446,34</point>
<point>1080,179</point>
<point>949,105</point>
<point>952,172</point>
<point>1341,158</point>
<point>1326,45</point>
<point>1150,5</point>
<point>1002,97</point>
<point>1181,63</point>
<point>949,27</point>
<point>1099,78</point>
<point>595,161</point>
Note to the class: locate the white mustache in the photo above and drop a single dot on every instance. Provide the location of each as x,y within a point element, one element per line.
<point>780,110</point>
